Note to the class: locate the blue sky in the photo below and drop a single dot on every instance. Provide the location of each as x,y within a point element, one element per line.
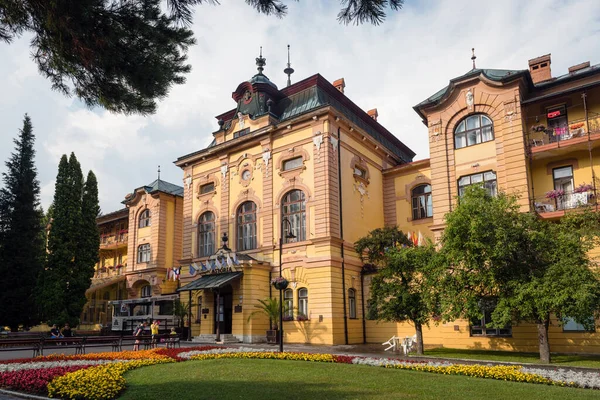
<point>392,67</point>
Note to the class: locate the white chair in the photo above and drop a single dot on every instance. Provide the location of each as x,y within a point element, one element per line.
<point>393,344</point>
<point>408,343</point>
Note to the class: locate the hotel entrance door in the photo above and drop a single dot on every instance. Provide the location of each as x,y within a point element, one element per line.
<point>223,309</point>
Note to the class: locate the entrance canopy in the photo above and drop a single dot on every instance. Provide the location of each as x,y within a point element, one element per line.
<point>215,281</point>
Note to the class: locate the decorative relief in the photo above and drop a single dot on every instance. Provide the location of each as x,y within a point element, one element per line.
<point>188,181</point>
<point>241,122</point>
<point>510,110</point>
<point>224,172</point>
<point>317,141</point>
<point>469,98</point>
<point>360,170</point>
<point>362,190</point>
<point>435,130</point>
<point>334,142</point>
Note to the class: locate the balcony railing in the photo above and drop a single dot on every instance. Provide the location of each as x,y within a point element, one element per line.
<point>113,240</point>
<point>566,201</point>
<point>541,135</point>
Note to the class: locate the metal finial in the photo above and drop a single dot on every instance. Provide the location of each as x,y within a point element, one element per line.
<point>159,172</point>
<point>473,57</point>
<point>289,70</point>
<point>260,62</point>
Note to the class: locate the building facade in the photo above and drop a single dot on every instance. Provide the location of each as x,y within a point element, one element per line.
<point>139,244</point>
<point>294,176</point>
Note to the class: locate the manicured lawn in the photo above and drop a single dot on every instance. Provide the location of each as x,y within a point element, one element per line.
<point>560,360</point>
<point>275,379</point>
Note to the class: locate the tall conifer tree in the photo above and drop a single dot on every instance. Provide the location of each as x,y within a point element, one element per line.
<point>72,244</point>
<point>21,232</point>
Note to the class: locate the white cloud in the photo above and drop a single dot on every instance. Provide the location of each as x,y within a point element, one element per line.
<point>392,67</point>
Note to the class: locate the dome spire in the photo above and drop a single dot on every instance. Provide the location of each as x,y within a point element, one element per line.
<point>260,62</point>
<point>473,57</point>
<point>289,70</point>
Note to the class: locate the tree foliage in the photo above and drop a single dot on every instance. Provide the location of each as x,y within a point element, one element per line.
<point>73,244</point>
<point>21,233</point>
<point>400,290</point>
<point>126,54</point>
<point>533,267</point>
<point>269,307</point>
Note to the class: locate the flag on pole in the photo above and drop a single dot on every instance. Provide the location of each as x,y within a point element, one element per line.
<point>235,259</point>
<point>218,263</point>
<point>229,262</point>
<point>193,270</point>
<point>420,240</point>
<point>409,236</point>
<point>203,266</point>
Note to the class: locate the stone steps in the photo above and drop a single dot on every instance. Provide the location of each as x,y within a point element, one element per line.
<point>225,339</point>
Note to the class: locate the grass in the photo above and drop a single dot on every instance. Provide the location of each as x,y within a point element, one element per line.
<point>275,379</point>
<point>563,360</point>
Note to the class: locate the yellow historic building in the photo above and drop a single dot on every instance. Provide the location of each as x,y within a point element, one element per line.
<point>294,176</point>
<point>149,231</point>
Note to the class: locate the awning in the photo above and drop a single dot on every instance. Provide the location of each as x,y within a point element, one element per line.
<point>215,281</point>
<point>102,283</point>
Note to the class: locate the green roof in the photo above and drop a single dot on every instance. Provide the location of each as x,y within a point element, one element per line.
<point>497,75</point>
<point>215,281</point>
<point>163,186</point>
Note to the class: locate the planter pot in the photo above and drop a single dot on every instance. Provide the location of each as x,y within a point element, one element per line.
<point>273,336</point>
<point>282,285</point>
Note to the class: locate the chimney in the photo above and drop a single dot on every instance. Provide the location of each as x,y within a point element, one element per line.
<point>577,67</point>
<point>373,114</point>
<point>539,68</point>
<point>339,84</point>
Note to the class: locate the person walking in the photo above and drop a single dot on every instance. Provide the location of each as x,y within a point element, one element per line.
<point>154,330</point>
<point>139,331</point>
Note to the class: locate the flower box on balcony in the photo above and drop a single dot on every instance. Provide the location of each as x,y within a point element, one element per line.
<point>555,194</point>
<point>583,188</point>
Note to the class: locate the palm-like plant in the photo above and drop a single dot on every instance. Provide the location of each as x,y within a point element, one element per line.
<point>270,308</point>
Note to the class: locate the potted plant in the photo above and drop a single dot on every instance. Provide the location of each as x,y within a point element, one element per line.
<point>538,128</point>
<point>270,308</point>
<point>577,129</point>
<point>584,187</point>
<point>280,283</point>
<point>302,317</point>
<point>555,194</point>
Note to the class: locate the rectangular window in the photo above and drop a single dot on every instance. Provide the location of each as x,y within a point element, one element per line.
<point>571,326</point>
<point>352,302</point>
<point>480,327</point>
<point>209,187</point>
<point>486,179</point>
<point>359,172</point>
<point>303,302</point>
<point>292,163</point>
<point>288,301</point>
<point>241,133</point>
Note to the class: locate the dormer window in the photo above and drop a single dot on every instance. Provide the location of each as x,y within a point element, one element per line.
<point>292,163</point>
<point>209,187</point>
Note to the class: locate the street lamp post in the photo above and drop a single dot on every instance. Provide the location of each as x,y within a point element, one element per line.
<point>289,235</point>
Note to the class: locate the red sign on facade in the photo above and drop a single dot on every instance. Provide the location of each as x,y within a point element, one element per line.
<point>554,114</point>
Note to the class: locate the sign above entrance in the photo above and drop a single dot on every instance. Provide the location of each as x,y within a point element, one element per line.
<point>221,262</point>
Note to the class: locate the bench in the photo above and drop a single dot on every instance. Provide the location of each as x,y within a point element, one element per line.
<point>64,343</point>
<point>102,341</point>
<point>23,344</point>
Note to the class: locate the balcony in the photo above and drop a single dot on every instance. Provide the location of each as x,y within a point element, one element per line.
<point>554,207</point>
<point>113,241</point>
<point>546,142</point>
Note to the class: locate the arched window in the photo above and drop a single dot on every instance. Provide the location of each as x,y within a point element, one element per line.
<point>145,219</point>
<point>206,234</point>
<point>473,130</point>
<point>352,302</point>
<point>302,303</point>
<point>422,204</point>
<point>288,301</point>
<point>144,253</point>
<point>146,291</point>
<point>246,226</point>
<point>293,207</point>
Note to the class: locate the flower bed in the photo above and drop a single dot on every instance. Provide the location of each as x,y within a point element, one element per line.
<point>99,376</point>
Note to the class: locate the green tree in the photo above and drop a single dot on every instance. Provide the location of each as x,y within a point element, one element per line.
<point>125,55</point>
<point>21,232</point>
<point>72,244</point>
<point>534,268</point>
<point>399,291</point>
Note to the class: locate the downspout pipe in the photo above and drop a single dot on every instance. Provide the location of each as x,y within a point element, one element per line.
<point>339,157</point>
<point>362,301</point>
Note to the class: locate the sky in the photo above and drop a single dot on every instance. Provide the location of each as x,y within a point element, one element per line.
<point>390,67</point>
